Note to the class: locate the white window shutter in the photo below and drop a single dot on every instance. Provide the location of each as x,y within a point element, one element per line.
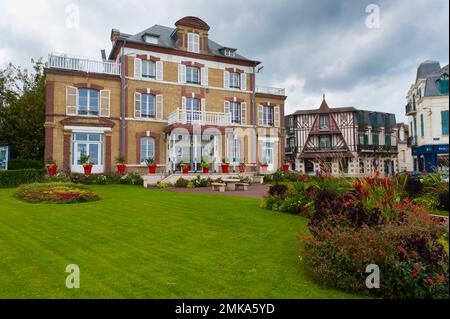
<point>226,79</point>
<point>183,103</point>
<point>137,68</point>
<point>181,73</point>
<point>204,76</point>
<point>276,116</point>
<point>226,107</point>
<point>105,102</point>
<point>244,113</point>
<point>159,107</point>
<point>203,105</point>
<point>159,71</point>
<point>190,42</point>
<point>71,100</point>
<point>137,104</point>
<point>260,115</point>
<point>243,82</point>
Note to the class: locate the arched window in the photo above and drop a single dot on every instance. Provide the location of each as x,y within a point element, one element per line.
<point>147,148</point>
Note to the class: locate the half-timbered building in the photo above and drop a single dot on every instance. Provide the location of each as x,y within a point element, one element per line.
<point>341,141</point>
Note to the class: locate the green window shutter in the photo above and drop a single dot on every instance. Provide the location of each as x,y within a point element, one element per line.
<point>366,139</point>
<point>387,138</point>
<point>375,139</point>
<point>422,128</point>
<point>444,122</point>
<point>443,86</point>
<point>374,120</point>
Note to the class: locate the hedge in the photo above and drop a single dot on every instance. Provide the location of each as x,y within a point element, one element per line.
<point>18,163</point>
<point>13,178</point>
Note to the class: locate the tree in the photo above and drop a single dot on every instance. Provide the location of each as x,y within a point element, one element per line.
<point>22,110</point>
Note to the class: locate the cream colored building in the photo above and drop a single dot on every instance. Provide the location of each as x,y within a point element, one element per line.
<point>405,160</point>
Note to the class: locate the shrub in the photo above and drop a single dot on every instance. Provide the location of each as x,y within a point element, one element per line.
<point>277,189</point>
<point>443,199</point>
<point>132,178</point>
<point>245,179</point>
<point>60,193</point>
<point>95,179</point>
<point>199,182</point>
<point>413,186</point>
<point>428,201</point>
<point>181,183</point>
<point>14,178</point>
<point>19,163</point>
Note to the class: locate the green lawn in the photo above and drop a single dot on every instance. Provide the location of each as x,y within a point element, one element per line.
<point>140,243</point>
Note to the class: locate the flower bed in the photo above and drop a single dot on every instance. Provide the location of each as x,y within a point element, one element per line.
<point>358,222</point>
<point>61,193</point>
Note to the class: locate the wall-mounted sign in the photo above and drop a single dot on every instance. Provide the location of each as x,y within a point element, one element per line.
<point>3,158</point>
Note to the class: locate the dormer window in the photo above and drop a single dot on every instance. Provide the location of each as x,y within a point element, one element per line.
<point>229,53</point>
<point>150,38</point>
<point>193,42</point>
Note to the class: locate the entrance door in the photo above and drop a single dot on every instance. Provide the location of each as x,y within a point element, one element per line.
<point>87,144</point>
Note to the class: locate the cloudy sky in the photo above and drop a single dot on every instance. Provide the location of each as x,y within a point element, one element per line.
<point>308,47</point>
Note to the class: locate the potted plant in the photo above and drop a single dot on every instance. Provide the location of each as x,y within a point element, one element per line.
<point>184,168</point>
<point>286,165</point>
<point>87,165</point>
<point>205,167</point>
<point>242,167</point>
<point>120,160</point>
<point>225,166</point>
<point>264,166</point>
<point>52,168</point>
<point>151,165</point>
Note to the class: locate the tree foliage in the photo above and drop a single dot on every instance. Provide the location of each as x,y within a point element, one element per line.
<point>22,110</point>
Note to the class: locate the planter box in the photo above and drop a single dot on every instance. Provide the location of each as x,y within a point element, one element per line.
<point>241,169</point>
<point>152,169</point>
<point>87,169</point>
<point>121,168</point>
<point>286,167</point>
<point>258,179</point>
<point>225,169</point>
<point>52,170</point>
<point>205,170</point>
<point>263,168</point>
<point>185,170</point>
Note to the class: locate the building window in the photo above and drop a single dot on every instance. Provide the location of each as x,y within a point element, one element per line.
<point>235,112</point>
<point>403,155</point>
<point>192,110</point>
<point>387,140</point>
<point>375,139</point>
<point>324,122</point>
<point>361,138</point>
<point>229,53</point>
<point>444,122</point>
<point>442,84</point>
<point>193,43</point>
<point>402,134</point>
<point>192,75</point>
<point>366,139</point>
<point>88,102</point>
<point>90,144</point>
<point>148,69</point>
<point>235,80</point>
<point>235,151</point>
<point>147,149</point>
<point>325,141</point>
<point>374,120</point>
<point>148,106</point>
<point>267,115</point>
<point>422,128</point>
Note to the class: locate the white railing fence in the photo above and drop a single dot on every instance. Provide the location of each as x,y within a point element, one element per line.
<point>70,62</point>
<point>199,117</point>
<point>270,90</point>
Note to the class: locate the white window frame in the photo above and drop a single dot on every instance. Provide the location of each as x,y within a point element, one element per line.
<point>147,97</point>
<point>267,120</point>
<point>235,80</point>
<point>235,151</point>
<point>191,79</point>
<point>193,43</point>
<point>147,64</point>
<point>147,139</point>
<point>237,112</point>
<point>88,105</point>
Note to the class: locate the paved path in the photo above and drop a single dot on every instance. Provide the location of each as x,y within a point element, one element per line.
<point>254,191</point>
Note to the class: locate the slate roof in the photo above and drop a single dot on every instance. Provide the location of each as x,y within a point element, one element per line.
<point>167,38</point>
<point>431,87</point>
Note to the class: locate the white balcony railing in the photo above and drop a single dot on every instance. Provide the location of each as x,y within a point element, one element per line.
<point>69,62</point>
<point>270,90</point>
<point>199,117</point>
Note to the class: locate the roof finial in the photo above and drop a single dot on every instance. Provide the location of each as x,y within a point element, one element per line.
<point>324,96</point>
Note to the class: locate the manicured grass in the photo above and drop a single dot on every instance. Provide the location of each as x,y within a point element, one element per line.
<point>140,243</point>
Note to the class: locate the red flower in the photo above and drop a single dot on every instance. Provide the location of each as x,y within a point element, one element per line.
<point>301,178</point>
<point>376,174</point>
<point>441,278</point>
<point>414,273</point>
<point>365,192</point>
<point>358,185</point>
<point>369,181</point>
<point>429,281</point>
